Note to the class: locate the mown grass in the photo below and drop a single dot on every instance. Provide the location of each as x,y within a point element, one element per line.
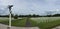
<point>48,25</point>
<point>16,22</point>
<point>33,23</point>
<point>19,23</point>
<point>4,21</point>
<point>41,25</point>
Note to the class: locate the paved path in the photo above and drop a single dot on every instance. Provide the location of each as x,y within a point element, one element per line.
<point>58,27</point>
<point>2,26</point>
<point>28,23</point>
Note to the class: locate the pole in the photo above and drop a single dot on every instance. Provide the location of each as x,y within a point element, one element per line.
<point>9,27</point>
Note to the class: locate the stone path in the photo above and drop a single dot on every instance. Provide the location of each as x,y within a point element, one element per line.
<point>2,26</point>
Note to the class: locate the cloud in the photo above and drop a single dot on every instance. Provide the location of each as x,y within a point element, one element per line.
<point>31,6</point>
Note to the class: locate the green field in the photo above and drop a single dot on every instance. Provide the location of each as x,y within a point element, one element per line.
<point>47,22</point>
<point>41,22</point>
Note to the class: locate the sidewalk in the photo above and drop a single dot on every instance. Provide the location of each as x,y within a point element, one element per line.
<point>2,26</point>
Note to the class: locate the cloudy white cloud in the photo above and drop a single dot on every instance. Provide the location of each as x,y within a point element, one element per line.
<point>31,6</point>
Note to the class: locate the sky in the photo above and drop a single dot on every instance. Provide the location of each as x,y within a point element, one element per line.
<point>25,7</point>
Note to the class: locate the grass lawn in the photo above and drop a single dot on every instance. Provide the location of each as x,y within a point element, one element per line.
<point>19,23</point>
<point>47,22</point>
<point>48,25</point>
<point>4,21</point>
<point>42,22</point>
<point>16,22</point>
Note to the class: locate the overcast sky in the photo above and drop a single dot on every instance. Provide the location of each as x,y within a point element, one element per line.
<point>40,7</point>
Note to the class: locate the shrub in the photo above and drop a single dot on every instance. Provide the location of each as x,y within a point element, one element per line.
<point>16,17</point>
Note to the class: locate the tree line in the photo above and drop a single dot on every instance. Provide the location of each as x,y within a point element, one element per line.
<point>34,15</point>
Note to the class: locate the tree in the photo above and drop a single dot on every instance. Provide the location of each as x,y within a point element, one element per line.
<point>12,14</point>
<point>56,15</point>
<point>16,16</point>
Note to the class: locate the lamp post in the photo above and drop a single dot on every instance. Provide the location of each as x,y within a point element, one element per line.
<point>10,7</point>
